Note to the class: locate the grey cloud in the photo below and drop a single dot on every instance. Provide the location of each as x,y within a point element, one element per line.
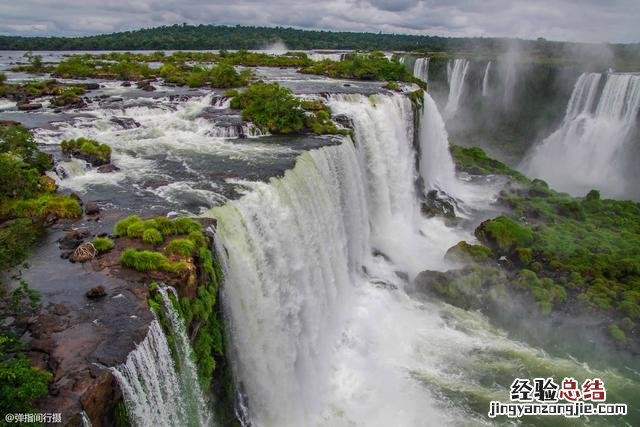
<point>574,20</point>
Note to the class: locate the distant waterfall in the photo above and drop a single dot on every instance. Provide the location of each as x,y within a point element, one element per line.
<point>511,74</point>
<point>589,149</point>
<point>156,392</point>
<point>436,164</point>
<point>297,254</point>
<point>421,69</point>
<point>456,73</point>
<point>485,80</point>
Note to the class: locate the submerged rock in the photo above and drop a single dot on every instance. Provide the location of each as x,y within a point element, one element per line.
<point>125,122</point>
<point>438,205</point>
<point>97,292</point>
<point>108,168</point>
<point>73,239</point>
<point>25,106</point>
<point>92,208</point>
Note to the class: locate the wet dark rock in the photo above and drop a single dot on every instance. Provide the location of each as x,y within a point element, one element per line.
<point>97,292</point>
<point>60,310</point>
<point>438,205</point>
<point>108,168</point>
<point>125,122</point>
<point>74,238</point>
<point>145,85</point>
<point>25,106</point>
<point>91,208</point>
<point>126,84</point>
<point>343,120</point>
<point>9,123</point>
<point>88,86</point>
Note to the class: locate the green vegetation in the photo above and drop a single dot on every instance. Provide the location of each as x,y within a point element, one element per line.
<point>87,149</point>
<point>275,109</point>
<point>152,236</point>
<point>26,195</point>
<point>372,66</point>
<point>504,234</point>
<point>392,86</point>
<point>155,231</point>
<point>69,96</point>
<point>566,251</point>
<point>102,244</point>
<point>271,107</point>
<point>465,252</point>
<point>181,247</point>
<point>475,161</point>
<point>42,206</point>
<point>146,261</point>
<point>87,66</point>
<point>20,383</point>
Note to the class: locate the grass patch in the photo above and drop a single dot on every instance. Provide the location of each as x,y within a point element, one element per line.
<point>102,244</point>
<point>181,247</point>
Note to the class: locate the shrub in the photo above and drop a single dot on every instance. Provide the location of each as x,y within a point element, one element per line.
<point>145,260</point>
<point>181,247</point>
<point>102,244</point>
<point>15,240</point>
<point>122,226</point>
<point>48,204</point>
<point>617,334</point>
<point>504,233</point>
<point>3,78</point>
<point>185,225</point>
<point>87,148</point>
<point>16,140</point>
<point>20,383</point>
<point>152,236</point>
<point>271,107</point>
<point>392,86</point>
<point>17,178</point>
<point>165,226</point>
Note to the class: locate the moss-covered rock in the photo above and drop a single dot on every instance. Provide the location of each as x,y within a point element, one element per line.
<point>464,252</point>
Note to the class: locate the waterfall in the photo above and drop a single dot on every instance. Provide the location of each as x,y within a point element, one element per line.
<point>421,69</point>
<point>436,164</point>
<point>485,80</point>
<point>456,74</point>
<point>590,148</point>
<point>314,316</point>
<point>156,392</point>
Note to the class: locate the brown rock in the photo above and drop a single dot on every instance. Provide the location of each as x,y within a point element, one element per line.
<point>97,292</point>
<point>91,208</point>
<point>25,106</point>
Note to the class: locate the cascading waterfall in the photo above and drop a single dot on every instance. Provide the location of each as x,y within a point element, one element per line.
<point>421,69</point>
<point>436,164</point>
<point>485,80</point>
<point>312,310</point>
<point>456,74</point>
<point>156,392</point>
<point>591,147</point>
<point>322,331</point>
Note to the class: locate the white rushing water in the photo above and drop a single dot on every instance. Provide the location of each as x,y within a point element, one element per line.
<point>156,391</point>
<point>456,73</point>
<point>436,164</point>
<point>590,149</point>
<point>485,80</point>
<point>321,326</point>
<point>421,69</point>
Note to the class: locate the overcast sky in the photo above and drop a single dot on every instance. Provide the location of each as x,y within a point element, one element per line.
<point>573,20</point>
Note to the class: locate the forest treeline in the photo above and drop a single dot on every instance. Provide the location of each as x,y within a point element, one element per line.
<point>184,37</point>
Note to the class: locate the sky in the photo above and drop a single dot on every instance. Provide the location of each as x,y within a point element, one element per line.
<point>571,20</point>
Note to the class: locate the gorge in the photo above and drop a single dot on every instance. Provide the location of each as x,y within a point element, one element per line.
<point>320,283</point>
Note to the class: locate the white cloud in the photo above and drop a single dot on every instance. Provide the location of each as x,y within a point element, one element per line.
<point>573,20</point>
